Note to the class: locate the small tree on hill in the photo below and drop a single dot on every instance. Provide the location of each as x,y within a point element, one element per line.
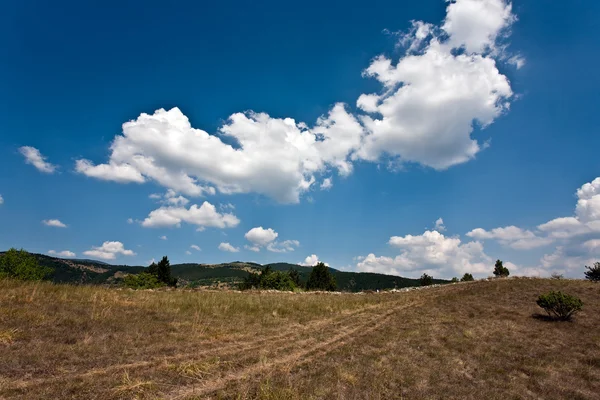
<point>163,272</point>
<point>454,279</point>
<point>467,277</point>
<point>593,273</point>
<point>295,277</point>
<point>426,280</point>
<point>321,279</point>
<point>153,269</point>
<point>500,270</point>
<point>19,264</point>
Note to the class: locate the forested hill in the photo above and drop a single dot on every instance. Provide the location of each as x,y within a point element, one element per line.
<point>83,271</point>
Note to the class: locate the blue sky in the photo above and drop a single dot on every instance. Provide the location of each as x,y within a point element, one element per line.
<point>332,131</point>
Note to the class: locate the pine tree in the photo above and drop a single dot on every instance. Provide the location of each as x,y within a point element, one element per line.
<point>163,272</point>
<point>593,273</point>
<point>500,270</point>
<point>321,279</point>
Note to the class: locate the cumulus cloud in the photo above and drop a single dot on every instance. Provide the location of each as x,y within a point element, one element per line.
<point>439,225</point>
<point>261,237</point>
<point>35,158</point>
<point>54,222</point>
<point>425,113</point>
<point>170,198</point>
<point>188,252</point>
<point>283,247</point>
<point>130,220</point>
<point>512,236</point>
<point>162,237</point>
<point>1,200</point>
<point>195,247</point>
<point>327,184</point>
<point>205,216</point>
<point>64,253</point>
<point>228,247</point>
<point>431,252</point>
<point>475,25</point>
<point>576,237</point>
<point>311,261</point>
<point>109,251</point>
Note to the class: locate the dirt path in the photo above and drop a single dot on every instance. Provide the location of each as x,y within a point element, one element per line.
<point>294,356</point>
<point>290,337</point>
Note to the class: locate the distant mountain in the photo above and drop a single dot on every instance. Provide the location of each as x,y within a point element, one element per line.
<point>83,271</point>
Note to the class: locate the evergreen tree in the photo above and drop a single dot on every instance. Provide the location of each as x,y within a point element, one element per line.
<point>295,277</point>
<point>500,270</point>
<point>162,271</point>
<point>593,273</point>
<point>426,280</point>
<point>321,279</point>
<point>467,277</point>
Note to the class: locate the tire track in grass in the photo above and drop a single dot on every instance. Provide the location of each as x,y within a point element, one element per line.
<point>300,357</point>
<point>227,349</point>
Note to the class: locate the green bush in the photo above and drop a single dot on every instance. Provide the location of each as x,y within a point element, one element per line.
<point>454,280</point>
<point>559,305</point>
<point>500,270</point>
<point>269,279</point>
<point>593,273</point>
<point>19,264</point>
<point>321,279</point>
<point>467,277</point>
<point>426,280</point>
<point>143,280</point>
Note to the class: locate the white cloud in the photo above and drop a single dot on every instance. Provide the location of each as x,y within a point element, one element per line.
<point>327,184</point>
<point>204,216</point>
<point>195,247</point>
<point>170,198</point>
<point>431,252</point>
<point>476,24</point>
<point>162,237</point>
<point>1,200</point>
<point>512,236</point>
<point>64,253</point>
<point>108,251</point>
<point>188,252</point>
<point>54,222</point>
<point>256,249</point>
<point>517,61</point>
<point>283,247</point>
<point>311,261</point>
<point>122,173</point>
<point>35,158</point>
<point>275,157</point>
<point>439,225</point>
<point>425,114</point>
<point>228,247</point>
<point>260,236</point>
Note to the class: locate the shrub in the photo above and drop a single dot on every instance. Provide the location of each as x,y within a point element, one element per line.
<point>269,279</point>
<point>19,264</point>
<point>593,273</point>
<point>556,275</point>
<point>559,305</point>
<point>500,270</point>
<point>467,277</point>
<point>321,279</point>
<point>426,280</point>
<point>143,280</point>
<point>454,280</point>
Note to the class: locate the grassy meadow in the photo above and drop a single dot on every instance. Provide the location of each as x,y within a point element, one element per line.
<point>471,340</point>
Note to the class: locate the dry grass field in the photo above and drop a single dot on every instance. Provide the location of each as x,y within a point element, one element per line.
<point>466,341</point>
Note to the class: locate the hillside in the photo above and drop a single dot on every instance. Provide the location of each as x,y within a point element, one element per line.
<point>476,340</point>
<point>226,274</point>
